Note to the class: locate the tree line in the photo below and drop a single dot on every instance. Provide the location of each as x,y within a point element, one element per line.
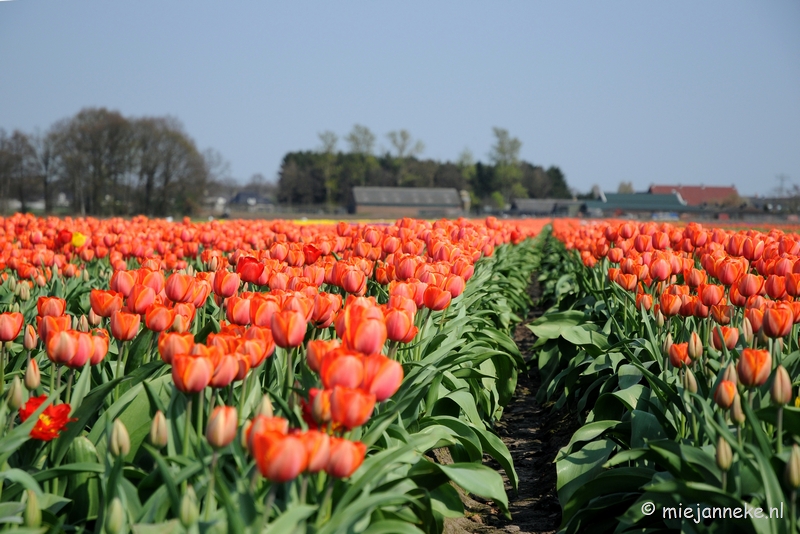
<point>99,162</point>
<point>327,175</point>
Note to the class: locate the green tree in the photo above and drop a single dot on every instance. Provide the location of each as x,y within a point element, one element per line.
<point>505,156</point>
<point>361,140</point>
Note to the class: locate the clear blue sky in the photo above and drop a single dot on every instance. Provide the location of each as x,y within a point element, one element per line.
<point>648,92</point>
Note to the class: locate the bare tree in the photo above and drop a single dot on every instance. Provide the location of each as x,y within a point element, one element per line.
<point>361,140</point>
<point>403,145</point>
<point>329,141</point>
<point>17,167</point>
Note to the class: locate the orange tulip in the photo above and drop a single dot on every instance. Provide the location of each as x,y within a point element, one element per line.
<point>351,407</point>
<point>778,321</point>
<point>100,346</point>
<point>455,284</point>
<point>627,281</point>
<point>47,325</point>
<point>711,295</point>
<point>122,282</point>
<point>751,284</point>
<point>262,307</point>
<point>722,313</point>
<point>660,269</point>
<point>249,269</point>
<point>345,457</point>
<point>10,325</point>
<point>316,351</point>
<point>756,318</point>
<point>436,299</point>
<point>400,325</point>
<point>237,310</point>
<point>341,367</point>
<point>62,346</point>
<point>191,373</point>
<point>354,281</point>
<point>262,423</point>
<point>775,286</point>
<point>754,367</point>
<point>226,283</point>
<point>792,284</point>
<point>325,307</point>
<point>226,368</point>
<point>140,299</point>
<point>180,287</point>
<point>288,328</point>
<point>170,344</point>
<point>728,338</point>
<point>105,303</point>
<point>52,306</point>
<point>361,327</point>
<point>318,447</point>
<point>159,318</point>
<point>30,339</point>
<point>670,304</point>
<point>382,376</point>
<point>694,277</point>
<point>279,458</point>
<point>679,355</point>
<point>125,326</point>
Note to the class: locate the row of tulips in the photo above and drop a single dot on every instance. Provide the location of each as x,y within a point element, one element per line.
<point>248,375</point>
<point>679,347</point>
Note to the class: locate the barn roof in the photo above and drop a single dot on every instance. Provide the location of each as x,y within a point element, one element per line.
<point>698,195</point>
<point>407,196</point>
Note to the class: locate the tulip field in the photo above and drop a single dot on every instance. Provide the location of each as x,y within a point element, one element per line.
<point>258,376</point>
<point>677,345</point>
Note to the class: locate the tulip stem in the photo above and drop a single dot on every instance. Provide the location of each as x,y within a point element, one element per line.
<point>793,519</point>
<point>323,513</point>
<point>780,429</point>
<point>69,384</point>
<point>210,505</point>
<point>270,500</point>
<point>3,369</point>
<point>289,374</point>
<point>187,426</point>
<point>58,382</point>
<point>242,399</point>
<point>724,481</point>
<point>304,488</point>
<point>121,361</point>
<point>201,398</point>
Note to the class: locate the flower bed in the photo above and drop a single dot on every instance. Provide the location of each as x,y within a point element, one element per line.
<point>238,376</point>
<point>678,346</point>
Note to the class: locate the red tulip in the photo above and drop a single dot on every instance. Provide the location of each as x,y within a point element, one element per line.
<point>249,269</point>
<point>436,299</point>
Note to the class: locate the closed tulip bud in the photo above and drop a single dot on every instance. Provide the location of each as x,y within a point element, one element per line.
<point>730,374</point>
<point>695,346</point>
<point>15,307</point>
<point>115,517</point>
<point>14,397</point>
<point>792,472</point>
<point>689,381</point>
<point>120,442</point>
<point>665,346</point>
<point>781,390</point>
<point>737,414</point>
<point>265,407</point>
<point>83,324</point>
<point>31,339</point>
<point>725,394</point>
<point>747,331</point>
<point>158,436</point>
<point>221,428</point>
<point>724,454</point>
<point>94,319</point>
<point>32,515</point>
<point>12,283</point>
<point>659,318</point>
<point>24,292</point>
<point>32,376</point>
<point>189,511</point>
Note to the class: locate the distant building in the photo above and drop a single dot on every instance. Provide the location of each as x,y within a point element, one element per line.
<point>394,202</point>
<point>544,207</point>
<point>699,195</point>
<point>660,206</point>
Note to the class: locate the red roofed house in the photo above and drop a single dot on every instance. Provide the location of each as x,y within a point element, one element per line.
<point>699,195</point>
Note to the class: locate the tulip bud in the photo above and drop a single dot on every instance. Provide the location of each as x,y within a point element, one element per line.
<point>14,396</point>
<point>689,381</point>
<point>781,390</point>
<point>221,429</point>
<point>8,345</point>
<point>32,376</point>
<point>32,516</point>
<point>115,517</point>
<point>94,319</point>
<point>85,275</point>
<point>730,374</point>
<point>724,454</point>
<point>75,322</point>
<point>737,414</point>
<point>83,324</point>
<point>747,331</point>
<point>659,319</point>
<point>158,431</point>
<point>15,307</point>
<point>56,271</point>
<point>31,339</point>
<point>190,270</point>
<point>41,281</point>
<point>665,346</point>
<point>25,292</point>
<point>245,431</point>
<point>12,284</point>
<point>189,512</point>
<point>120,443</point>
<point>695,346</point>
<point>264,407</point>
<point>792,473</point>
